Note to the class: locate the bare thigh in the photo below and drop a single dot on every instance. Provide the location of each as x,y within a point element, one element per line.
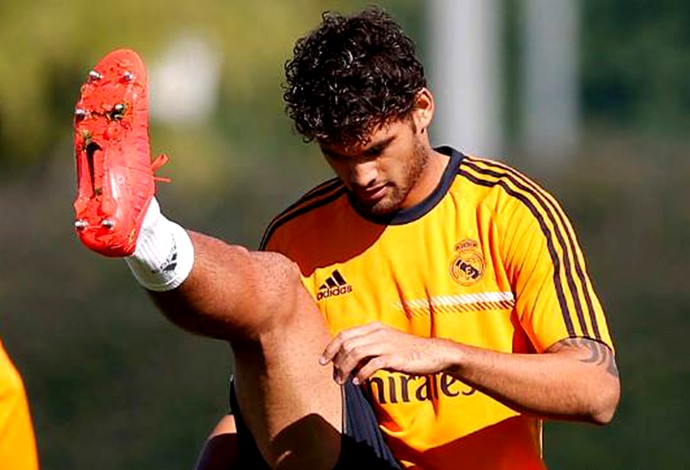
<point>256,301</point>
<point>289,401</point>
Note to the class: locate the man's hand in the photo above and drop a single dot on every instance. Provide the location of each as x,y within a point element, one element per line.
<point>363,350</point>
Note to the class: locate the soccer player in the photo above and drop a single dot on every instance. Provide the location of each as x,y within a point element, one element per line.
<point>448,290</point>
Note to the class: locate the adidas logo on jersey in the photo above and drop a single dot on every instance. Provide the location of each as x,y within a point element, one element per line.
<point>335,285</point>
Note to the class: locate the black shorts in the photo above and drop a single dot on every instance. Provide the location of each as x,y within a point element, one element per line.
<point>361,446</point>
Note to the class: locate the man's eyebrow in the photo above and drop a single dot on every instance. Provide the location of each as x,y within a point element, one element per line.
<point>380,145</point>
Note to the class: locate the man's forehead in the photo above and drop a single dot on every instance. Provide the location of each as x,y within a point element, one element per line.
<point>377,135</point>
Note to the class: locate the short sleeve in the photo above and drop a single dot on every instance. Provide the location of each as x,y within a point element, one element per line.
<point>554,295</point>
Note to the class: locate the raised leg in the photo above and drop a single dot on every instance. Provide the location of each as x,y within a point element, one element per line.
<point>257,302</point>
<point>254,300</point>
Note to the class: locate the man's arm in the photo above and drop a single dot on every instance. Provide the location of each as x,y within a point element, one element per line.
<point>575,379</point>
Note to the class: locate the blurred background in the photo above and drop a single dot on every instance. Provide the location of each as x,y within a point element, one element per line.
<point>590,97</point>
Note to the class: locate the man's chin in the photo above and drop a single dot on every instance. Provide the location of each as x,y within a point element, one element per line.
<point>379,209</point>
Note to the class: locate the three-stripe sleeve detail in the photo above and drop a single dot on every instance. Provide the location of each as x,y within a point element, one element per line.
<point>544,208</point>
<point>322,194</point>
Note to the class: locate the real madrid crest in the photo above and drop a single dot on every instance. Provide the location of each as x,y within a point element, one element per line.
<point>468,264</point>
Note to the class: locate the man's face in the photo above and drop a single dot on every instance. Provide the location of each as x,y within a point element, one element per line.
<point>382,175</point>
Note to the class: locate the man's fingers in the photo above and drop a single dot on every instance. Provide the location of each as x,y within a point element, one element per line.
<point>360,352</point>
<point>355,354</point>
<point>371,366</point>
<point>337,343</point>
<point>334,347</point>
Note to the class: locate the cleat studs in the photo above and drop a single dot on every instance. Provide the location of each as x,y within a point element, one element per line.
<point>94,75</point>
<point>128,76</point>
<point>107,223</point>
<point>118,111</point>
<point>80,224</point>
<point>80,113</point>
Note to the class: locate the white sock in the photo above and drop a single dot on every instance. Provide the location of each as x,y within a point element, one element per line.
<point>164,255</point>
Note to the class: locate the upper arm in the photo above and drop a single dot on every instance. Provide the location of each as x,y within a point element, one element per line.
<point>597,375</point>
<point>588,351</point>
<point>555,298</point>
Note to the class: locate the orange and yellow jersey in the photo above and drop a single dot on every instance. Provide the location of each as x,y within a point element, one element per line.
<point>17,443</point>
<point>489,259</point>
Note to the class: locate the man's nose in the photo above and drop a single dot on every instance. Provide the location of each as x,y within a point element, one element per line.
<point>363,174</point>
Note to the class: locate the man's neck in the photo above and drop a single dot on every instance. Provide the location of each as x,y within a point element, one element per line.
<point>428,180</point>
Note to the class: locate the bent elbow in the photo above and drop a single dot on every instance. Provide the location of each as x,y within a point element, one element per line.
<point>604,411</point>
<point>603,416</point>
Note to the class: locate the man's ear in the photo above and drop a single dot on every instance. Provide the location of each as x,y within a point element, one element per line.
<point>424,110</point>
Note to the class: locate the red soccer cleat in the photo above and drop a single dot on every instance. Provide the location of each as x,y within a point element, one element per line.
<point>115,181</point>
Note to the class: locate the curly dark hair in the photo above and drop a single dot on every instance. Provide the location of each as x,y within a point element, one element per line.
<point>350,75</point>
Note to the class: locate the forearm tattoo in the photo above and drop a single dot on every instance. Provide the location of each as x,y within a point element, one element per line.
<point>598,354</point>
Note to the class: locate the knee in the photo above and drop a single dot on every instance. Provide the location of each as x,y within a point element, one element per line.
<point>279,287</point>
<point>278,275</point>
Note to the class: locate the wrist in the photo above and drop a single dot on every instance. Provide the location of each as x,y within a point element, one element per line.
<point>453,356</point>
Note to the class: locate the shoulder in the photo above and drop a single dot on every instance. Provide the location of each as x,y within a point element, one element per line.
<point>493,178</point>
<point>504,190</point>
<point>303,210</point>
